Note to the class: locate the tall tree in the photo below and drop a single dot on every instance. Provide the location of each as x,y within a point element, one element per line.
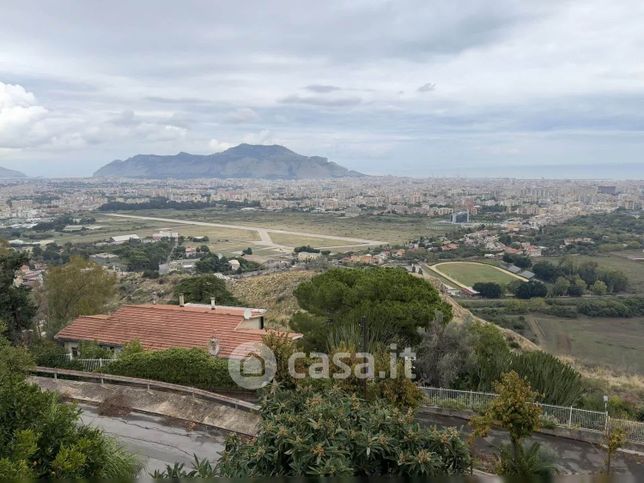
<point>80,287</point>
<point>390,300</point>
<point>16,305</point>
<point>202,288</point>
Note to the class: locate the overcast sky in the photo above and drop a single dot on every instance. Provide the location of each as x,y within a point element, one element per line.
<point>416,88</point>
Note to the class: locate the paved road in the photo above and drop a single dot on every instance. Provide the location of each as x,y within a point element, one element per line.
<point>155,440</point>
<point>263,232</point>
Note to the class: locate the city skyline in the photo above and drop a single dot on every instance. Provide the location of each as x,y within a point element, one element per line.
<point>408,89</point>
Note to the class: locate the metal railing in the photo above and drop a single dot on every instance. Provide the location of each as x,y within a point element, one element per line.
<point>148,384</point>
<point>566,417</point>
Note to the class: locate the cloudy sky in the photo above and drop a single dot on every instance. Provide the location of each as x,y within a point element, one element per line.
<point>418,88</point>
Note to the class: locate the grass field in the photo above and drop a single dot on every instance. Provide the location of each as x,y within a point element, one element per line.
<point>390,228</point>
<point>469,273</point>
<point>297,241</point>
<point>616,343</point>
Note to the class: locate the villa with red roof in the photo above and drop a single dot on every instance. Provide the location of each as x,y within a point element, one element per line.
<point>217,329</point>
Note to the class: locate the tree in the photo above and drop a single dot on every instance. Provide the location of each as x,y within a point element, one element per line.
<point>513,410</point>
<point>467,356</point>
<point>561,286</point>
<point>16,305</point>
<point>201,289</point>
<point>599,288</point>
<point>545,271</point>
<point>247,251</point>
<point>588,272</point>
<point>533,288</point>
<point>211,263</point>
<point>577,287</point>
<point>488,290</point>
<point>309,433</point>
<point>390,300</point>
<point>80,287</point>
<point>520,261</point>
<point>42,439</point>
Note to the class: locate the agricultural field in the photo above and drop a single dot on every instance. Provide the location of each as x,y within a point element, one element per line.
<point>468,273</point>
<point>612,342</point>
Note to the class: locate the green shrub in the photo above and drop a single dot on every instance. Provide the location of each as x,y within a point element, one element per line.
<point>188,367</point>
<point>47,353</point>
<point>304,432</point>
<point>556,382</point>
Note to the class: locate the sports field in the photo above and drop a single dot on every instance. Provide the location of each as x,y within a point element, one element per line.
<point>466,274</point>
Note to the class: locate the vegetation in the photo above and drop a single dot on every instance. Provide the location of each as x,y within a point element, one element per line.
<point>144,257</point>
<point>16,306</point>
<point>521,261</point>
<point>79,287</point>
<point>473,356</point>
<point>515,411</point>
<point>556,382</point>
<point>573,278</point>
<point>308,433</point>
<point>604,232</point>
<point>622,307</point>
<point>488,290</point>
<point>202,288</point>
<point>41,438</point>
<point>189,367</point>
<point>615,439</point>
<point>306,249</point>
<point>390,300</point>
<point>531,289</point>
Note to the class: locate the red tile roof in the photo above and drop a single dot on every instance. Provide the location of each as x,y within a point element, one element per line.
<point>159,327</point>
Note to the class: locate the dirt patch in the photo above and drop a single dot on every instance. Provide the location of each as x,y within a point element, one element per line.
<point>116,405</point>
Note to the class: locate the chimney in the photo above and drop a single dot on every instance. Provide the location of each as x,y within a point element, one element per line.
<point>182,300</point>
<point>212,303</point>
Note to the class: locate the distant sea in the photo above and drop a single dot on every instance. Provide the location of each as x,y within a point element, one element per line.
<point>623,171</point>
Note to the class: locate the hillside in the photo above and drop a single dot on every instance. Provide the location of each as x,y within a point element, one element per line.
<point>10,173</point>
<point>243,161</point>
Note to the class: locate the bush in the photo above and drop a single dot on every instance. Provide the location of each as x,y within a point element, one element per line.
<point>304,432</point>
<point>555,381</point>
<point>47,353</point>
<point>188,367</point>
<point>42,438</point>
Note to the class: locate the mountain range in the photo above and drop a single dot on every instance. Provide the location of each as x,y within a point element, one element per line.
<point>10,173</point>
<point>243,161</point>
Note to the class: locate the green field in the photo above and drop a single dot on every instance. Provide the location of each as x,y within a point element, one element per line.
<point>469,273</point>
<point>613,342</point>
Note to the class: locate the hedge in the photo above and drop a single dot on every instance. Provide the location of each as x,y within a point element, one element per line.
<point>188,367</point>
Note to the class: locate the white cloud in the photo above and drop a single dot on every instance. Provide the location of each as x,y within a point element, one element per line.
<point>217,146</point>
<point>242,115</point>
<point>20,116</point>
<point>262,137</point>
